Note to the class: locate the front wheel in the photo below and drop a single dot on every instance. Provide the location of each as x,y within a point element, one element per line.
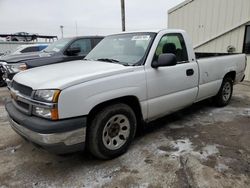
<point>111,131</point>
<point>225,94</point>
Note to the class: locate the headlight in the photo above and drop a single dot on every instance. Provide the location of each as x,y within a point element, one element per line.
<point>15,68</point>
<point>47,113</point>
<point>47,95</point>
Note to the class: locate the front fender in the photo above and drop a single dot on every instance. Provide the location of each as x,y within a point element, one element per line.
<point>80,99</point>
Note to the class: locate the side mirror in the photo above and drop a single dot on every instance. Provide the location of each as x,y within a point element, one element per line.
<point>165,60</point>
<point>73,51</point>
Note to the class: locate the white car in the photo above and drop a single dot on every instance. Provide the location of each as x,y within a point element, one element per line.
<point>27,48</point>
<point>127,80</point>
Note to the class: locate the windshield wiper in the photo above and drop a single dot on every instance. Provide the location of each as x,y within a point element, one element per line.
<point>108,60</point>
<point>113,61</point>
<point>88,59</point>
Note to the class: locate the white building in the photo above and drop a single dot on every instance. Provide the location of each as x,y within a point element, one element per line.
<point>215,25</point>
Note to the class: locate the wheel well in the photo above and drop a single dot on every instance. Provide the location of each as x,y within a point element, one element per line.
<point>131,101</point>
<point>231,75</point>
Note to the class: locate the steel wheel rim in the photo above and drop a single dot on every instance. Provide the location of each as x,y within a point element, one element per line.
<point>116,132</point>
<point>226,91</point>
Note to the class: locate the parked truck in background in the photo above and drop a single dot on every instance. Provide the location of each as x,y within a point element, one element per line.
<point>66,49</point>
<point>127,80</point>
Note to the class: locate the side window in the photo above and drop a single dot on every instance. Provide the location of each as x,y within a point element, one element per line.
<point>30,49</point>
<point>246,48</point>
<point>175,44</point>
<point>83,44</point>
<point>96,41</point>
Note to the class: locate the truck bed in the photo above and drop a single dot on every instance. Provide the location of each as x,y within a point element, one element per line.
<point>200,55</point>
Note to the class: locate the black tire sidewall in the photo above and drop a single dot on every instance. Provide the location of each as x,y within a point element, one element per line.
<point>101,121</point>
<point>220,100</point>
<point>2,82</point>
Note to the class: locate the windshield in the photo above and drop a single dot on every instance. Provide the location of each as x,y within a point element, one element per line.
<point>126,49</point>
<point>58,45</point>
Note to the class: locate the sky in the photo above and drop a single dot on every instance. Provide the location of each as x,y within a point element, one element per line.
<point>81,17</point>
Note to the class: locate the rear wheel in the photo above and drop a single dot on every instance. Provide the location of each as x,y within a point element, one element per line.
<point>111,131</point>
<point>225,94</point>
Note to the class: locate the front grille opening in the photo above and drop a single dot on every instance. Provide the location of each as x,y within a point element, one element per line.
<point>25,90</point>
<point>23,105</point>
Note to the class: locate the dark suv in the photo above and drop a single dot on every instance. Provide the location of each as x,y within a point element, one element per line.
<point>66,49</point>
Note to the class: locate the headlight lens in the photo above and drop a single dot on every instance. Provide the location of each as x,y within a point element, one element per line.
<point>47,95</point>
<point>15,68</point>
<point>43,112</point>
<point>46,112</point>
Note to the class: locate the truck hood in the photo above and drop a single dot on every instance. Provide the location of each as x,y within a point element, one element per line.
<point>24,57</point>
<point>63,75</point>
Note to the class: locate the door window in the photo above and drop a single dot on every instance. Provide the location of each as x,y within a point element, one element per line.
<point>246,48</point>
<point>175,44</point>
<point>83,44</point>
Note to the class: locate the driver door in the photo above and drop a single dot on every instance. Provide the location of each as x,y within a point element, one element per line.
<point>174,87</point>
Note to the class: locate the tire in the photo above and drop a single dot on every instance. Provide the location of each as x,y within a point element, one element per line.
<point>225,94</point>
<point>111,131</point>
<point>2,82</point>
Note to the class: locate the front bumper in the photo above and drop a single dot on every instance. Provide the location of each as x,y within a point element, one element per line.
<point>59,137</point>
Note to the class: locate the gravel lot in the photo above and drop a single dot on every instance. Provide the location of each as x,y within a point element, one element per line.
<point>201,146</point>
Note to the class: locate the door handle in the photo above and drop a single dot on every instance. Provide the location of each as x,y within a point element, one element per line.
<point>190,72</point>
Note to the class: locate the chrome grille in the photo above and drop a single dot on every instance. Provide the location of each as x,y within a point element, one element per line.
<point>21,95</point>
<point>23,105</point>
<point>22,98</point>
<point>24,90</point>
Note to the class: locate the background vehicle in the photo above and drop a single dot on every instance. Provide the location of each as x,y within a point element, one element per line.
<point>127,79</point>
<point>66,49</point>
<point>24,36</point>
<point>27,48</point>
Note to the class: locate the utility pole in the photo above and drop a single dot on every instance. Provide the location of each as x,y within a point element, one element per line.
<point>123,15</point>
<point>61,27</point>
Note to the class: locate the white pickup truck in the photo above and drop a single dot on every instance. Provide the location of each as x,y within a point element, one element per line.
<point>128,79</point>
